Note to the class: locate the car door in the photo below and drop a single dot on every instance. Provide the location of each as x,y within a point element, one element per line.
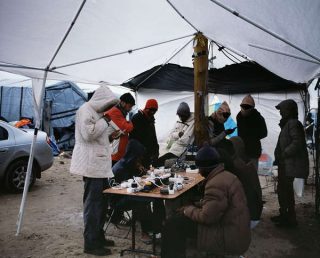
<point>7,143</point>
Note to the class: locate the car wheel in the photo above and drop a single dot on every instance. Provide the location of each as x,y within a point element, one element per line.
<point>16,175</point>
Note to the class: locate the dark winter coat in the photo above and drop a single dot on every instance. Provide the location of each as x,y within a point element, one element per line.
<point>223,217</point>
<point>252,129</point>
<point>144,131</point>
<point>126,168</point>
<point>248,176</point>
<point>291,150</point>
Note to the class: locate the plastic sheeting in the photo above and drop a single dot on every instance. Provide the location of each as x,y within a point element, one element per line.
<point>66,98</point>
<point>32,34</point>
<point>231,79</point>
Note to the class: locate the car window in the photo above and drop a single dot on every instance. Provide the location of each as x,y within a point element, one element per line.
<point>3,134</point>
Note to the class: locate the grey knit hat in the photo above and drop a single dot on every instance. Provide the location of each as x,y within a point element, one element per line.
<point>183,109</point>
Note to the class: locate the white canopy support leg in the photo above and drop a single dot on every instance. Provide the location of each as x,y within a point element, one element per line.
<point>38,87</point>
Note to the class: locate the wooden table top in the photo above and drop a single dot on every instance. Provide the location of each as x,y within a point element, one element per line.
<point>194,179</point>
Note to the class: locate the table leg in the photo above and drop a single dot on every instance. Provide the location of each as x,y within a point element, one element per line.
<point>133,241</point>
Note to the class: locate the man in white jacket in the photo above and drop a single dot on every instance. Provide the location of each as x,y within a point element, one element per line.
<point>92,159</point>
<point>180,136</point>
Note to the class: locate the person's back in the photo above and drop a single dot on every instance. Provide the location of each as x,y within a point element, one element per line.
<point>223,220</point>
<point>247,174</point>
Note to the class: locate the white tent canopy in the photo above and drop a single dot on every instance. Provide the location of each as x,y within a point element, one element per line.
<point>112,41</point>
<point>36,35</point>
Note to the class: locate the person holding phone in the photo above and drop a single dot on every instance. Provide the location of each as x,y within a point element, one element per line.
<point>216,121</point>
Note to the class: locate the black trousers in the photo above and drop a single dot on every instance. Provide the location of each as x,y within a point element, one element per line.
<point>161,160</point>
<point>286,194</point>
<point>174,235</point>
<point>94,211</point>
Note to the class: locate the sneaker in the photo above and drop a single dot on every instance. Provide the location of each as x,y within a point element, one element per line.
<point>98,251</point>
<point>107,242</point>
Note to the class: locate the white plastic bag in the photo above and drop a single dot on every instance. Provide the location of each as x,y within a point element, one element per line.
<point>298,186</point>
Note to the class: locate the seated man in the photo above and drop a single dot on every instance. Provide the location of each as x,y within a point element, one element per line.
<point>220,221</point>
<point>127,167</point>
<point>180,136</point>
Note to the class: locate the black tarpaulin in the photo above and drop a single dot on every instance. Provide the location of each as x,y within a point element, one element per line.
<point>246,77</point>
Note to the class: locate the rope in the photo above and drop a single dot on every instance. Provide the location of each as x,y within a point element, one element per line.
<point>130,51</point>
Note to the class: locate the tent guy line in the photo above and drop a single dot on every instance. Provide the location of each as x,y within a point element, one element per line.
<point>67,33</point>
<point>166,62</point>
<point>264,29</point>
<point>130,51</point>
<point>180,14</point>
<point>282,53</point>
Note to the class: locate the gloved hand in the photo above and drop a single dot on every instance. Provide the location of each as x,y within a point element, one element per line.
<point>180,134</point>
<point>229,131</point>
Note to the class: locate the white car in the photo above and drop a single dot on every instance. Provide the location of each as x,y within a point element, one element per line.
<point>15,146</point>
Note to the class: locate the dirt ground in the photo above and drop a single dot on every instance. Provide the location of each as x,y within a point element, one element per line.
<point>53,223</point>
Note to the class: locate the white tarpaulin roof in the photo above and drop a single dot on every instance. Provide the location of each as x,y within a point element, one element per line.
<point>37,34</point>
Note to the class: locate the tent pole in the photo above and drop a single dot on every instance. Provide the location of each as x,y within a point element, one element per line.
<point>264,29</point>
<point>317,135</point>
<point>200,88</point>
<point>30,161</point>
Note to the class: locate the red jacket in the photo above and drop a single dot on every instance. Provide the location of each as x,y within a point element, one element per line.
<point>119,119</point>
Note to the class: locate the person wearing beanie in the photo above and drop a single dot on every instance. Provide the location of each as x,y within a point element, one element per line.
<point>216,121</point>
<point>118,116</point>
<point>291,157</point>
<point>144,131</point>
<point>251,128</point>
<point>220,221</point>
<point>180,136</point>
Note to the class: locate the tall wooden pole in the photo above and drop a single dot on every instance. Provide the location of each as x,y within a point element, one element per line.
<point>200,88</point>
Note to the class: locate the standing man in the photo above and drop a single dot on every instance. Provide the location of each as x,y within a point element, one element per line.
<point>118,115</point>
<point>92,159</point>
<point>251,128</point>
<point>291,156</point>
<point>145,132</point>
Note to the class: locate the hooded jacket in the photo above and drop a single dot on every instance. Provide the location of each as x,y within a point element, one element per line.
<point>248,177</point>
<point>252,129</point>
<point>119,118</point>
<point>177,145</point>
<point>91,154</point>
<point>291,150</point>
<point>222,216</point>
<point>125,168</point>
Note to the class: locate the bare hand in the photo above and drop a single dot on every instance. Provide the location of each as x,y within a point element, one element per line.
<point>116,134</point>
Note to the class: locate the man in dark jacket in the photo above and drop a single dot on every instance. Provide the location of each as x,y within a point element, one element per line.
<point>251,128</point>
<point>145,132</point>
<point>291,156</point>
<point>220,221</point>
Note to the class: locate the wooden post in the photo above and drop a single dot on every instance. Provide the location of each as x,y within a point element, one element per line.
<point>200,88</point>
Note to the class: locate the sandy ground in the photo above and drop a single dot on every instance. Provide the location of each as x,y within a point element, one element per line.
<point>53,223</point>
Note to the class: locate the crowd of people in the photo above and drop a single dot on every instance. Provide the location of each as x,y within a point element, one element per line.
<point>226,205</point>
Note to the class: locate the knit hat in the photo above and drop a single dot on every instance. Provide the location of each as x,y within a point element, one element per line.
<point>248,100</point>
<point>151,103</point>
<point>183,109</point>
<point>224,108</point>
<point>127,98</point>
<point>207,157</point>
